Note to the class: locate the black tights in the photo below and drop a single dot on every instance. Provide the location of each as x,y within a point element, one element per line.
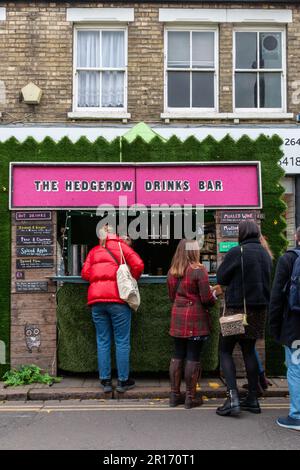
<point>227,346</point>
<point>188,349</point>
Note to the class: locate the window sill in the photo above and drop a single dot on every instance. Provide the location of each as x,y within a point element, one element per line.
<point>236,115</point>
<point>263,115</point>
<point>193,115</point>
<point>99,115</point>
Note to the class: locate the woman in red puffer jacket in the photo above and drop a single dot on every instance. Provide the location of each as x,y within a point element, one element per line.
<point>111,315</point>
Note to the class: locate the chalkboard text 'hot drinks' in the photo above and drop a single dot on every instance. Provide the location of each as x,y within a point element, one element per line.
<point>40,215</point>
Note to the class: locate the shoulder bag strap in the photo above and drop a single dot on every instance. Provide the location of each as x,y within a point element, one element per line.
<point>243,286</point>
<point>123,260</point>
<point>112,255</point>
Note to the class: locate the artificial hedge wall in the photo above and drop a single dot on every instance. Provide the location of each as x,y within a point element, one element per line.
<point>265,149</point>
<point>151,345</point>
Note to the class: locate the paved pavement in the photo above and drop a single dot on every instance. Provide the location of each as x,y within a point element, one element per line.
<point>140,424</point>
<point>83,388</point>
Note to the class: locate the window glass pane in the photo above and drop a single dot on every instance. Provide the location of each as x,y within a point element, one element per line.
<point>113,51</point>
<point>246,90</point>
<point>88,89</point>
<point>203,49</point>
<point>88,49</point>
<point>178,49</point>
<point>113,89</point>
<point>270,90</point>
<point>246,50</point>
<point>203,90</point>
<point>270,50</point>
<point>179,89</point>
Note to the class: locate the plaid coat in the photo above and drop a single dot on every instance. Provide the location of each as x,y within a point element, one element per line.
<point>190,316</point>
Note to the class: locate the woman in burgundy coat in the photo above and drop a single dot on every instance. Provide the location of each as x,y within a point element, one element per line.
<point>190,292</point>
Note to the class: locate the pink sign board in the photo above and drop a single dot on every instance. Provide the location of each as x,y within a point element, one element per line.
<point>67,186</point>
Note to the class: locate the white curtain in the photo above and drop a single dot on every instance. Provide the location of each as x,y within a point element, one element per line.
<point>113,49</point>
<point>113,89</point>
<point>113,56</point>
<point>88,49</point>
<point>88,55</point>
<point>88,89</point>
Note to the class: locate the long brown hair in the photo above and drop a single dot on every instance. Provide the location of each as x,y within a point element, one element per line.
<point>265,244</point>
<point>187,254</point>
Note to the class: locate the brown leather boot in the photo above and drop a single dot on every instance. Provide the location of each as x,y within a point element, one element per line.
<point>192,375</point>
<point>175,378</point>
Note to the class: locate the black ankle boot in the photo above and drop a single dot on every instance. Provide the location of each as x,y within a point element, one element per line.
<point>232,405</point>
<point>251,404</point>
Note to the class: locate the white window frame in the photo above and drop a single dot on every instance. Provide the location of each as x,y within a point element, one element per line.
<point>191,112</point>
<point>266,112</point>
<point>101,112</point>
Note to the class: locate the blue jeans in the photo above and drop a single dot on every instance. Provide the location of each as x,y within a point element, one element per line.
<point>112,319</point>
<point>293,377</point>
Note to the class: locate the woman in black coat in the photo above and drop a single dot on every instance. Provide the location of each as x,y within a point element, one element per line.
<point>255,286</point>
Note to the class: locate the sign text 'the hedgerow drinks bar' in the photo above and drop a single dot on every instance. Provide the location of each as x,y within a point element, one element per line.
<point>67,186</point>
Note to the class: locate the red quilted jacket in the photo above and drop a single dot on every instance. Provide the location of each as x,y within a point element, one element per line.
<point>100,270</point>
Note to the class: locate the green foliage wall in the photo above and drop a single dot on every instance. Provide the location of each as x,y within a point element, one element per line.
<point>151,345</point>
<point>265,149</point>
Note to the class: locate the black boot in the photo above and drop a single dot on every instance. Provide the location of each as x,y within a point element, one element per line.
<point>251,403</point>
<point>263,381</point>
<point>175,378</point>
<point>232,405</point>
<point>191,375</point>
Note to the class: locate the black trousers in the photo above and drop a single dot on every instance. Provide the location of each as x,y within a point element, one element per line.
<point>227,345</point>
<point>188,348</point>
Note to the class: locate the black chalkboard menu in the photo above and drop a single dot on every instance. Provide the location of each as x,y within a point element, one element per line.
<point>40,250</point>
<point>32,286</point>
<point>230,230</point>
<point>37,215</point>
<point>37,230</point>
<point>35,263</point>
<point>237,216</point>
<point>34,240</point>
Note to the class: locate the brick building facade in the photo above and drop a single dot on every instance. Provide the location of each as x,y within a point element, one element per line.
<point>145,74</point>
<point>37,43</point>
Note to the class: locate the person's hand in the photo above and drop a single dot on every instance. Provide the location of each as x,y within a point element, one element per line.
<point>217,289</point>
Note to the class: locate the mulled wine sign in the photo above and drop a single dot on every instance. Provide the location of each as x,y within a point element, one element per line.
<point>229,230</point>
<point>237,216</point>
